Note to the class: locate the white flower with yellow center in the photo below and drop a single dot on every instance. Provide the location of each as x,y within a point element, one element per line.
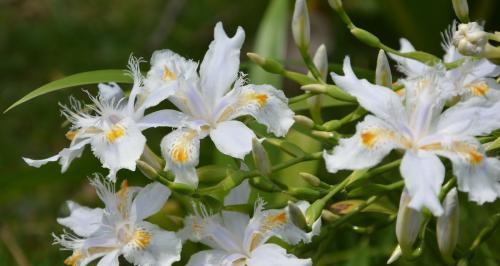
<point>112,125</point>
<point>210,103</point>
<point>119,228</point>
<point>419,126</point>
<point>238,240</point>
<point>475,77</point>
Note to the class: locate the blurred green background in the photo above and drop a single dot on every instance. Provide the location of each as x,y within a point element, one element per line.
<point>43,40</point>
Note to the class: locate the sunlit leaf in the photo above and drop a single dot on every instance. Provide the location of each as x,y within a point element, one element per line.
<point>84,78</point>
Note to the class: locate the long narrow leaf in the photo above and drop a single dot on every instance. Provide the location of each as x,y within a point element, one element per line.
<point>84,78</point>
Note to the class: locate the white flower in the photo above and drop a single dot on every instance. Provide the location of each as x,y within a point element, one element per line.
<point>119,228</point>
<point>210,103</point>
<point>112,125</point>
<point>470,39</point>
<point>473,78</point>
<point>421,128</point>
<point>237,239</point>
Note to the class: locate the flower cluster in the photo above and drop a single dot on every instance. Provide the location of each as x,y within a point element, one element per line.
<point>438,113</point>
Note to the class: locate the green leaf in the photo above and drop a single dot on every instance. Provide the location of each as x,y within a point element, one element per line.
<point>271,41</point>
<point>84,78</point>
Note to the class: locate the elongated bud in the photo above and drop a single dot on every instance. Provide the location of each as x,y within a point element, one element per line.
<point>211,173</point>
<point>407,224</point>
<point>304,121</point>
<point>297,217</point>
<point>304,193</point>
<point>311,179</point>
<point>260,158</point>
<point>323,134</point>
<point>461,10</point>
<point>314,211</point>
<point>396,254</point>
<point>300,25</point>
<point>146,169</point>
<point>320,60</point>
<point>366,37</point>
<point>335,4</point>
<point>447,225</point>
<point>264,184</point>
<point>383,76</point>
<point>315,88</point>
<point>329,216</point>
<point>267,64</point>
<point>153,160</point>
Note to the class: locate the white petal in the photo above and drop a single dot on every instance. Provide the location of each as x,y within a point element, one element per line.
<point>163,249</point>
<point>232,138</point>
<point>220,65</point>
<point>181,150</point>
<point>65,156</point>
<point>238,195</point>
<point>423,173</point>
<point>265,103</point>
<point>263,225</point>
<point>214,258</point>
<point>163,118</point>
<point>82,220</point>
<point>110,91</point>
<point>121,153</point>
<point>409,67</point>
<point>274,255</point>
<point>379,100</point>
<point>149,201</point>
<point>473,117</point>
<point>408,222</point>
<point>373,140</point>
<point>110,259</point>
<point>236,223</point>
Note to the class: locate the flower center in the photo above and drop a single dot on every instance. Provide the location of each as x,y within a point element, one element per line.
<point>117,131</point>
<point>479,89</point>
<point>180,150</point>
<point>141,238</point>
<point>168,75</point>
<point>368,138</point>
<point>70,135</point>
<point>269,223</point>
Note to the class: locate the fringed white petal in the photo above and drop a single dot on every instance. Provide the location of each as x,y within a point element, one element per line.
<point>272,254</point>
<point>82,220</point>
<point>149,200</point>
<point>181,150</point>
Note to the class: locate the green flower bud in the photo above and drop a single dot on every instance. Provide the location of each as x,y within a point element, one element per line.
<point>383,76</point>
<point>211,173</point>
<point>264,184</point>
<point>260,158</point>
<point>297,217</point>
<point>314,211</point>
<point>320,60</point>
<point>267,64</point>
<point>147,170</point>
<point>366,37</point>
<point>408,223</point>
<point>461,10</point>
<point>304,121</point>
<point>447,225</point>
<point>335,4</point>
<point>311,179</point>
<point>300,25</point>
<point>323,134</point>
<point>304,193</point>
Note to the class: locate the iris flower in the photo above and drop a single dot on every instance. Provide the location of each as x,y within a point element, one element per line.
<point>236,239</point>
<point>119,228</point>
<point>112,124</point>
<point>210,101</point>
<point>418,125</point>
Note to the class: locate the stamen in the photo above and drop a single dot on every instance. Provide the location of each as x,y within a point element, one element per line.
<point>168,74</point>
<point>116,132</point>
<point>179,154</point>
<point>479,89</point>
<point>141,239</point>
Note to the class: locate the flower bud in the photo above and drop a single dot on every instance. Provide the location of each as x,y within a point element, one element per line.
<point>366,37</point>
<point>147,170</point>
<point>383,76</point>
<point>314,211</point>
<point>461,10</point>
<point>264,184</point>
<point>470,39</point>
<point>315,88</point>
<point>297,217</point>
<point>407,224</point>
<point>267,64</point>
<point>300,25</point>
<point>448,224</point>
<point>335,4</point>
<point>260,158</point>
<point>311,179</point>
<point>304,121</point>
<point>396,254</point>
<point>322,134</point>
<point>304,193</point>
<point>320,60</point>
